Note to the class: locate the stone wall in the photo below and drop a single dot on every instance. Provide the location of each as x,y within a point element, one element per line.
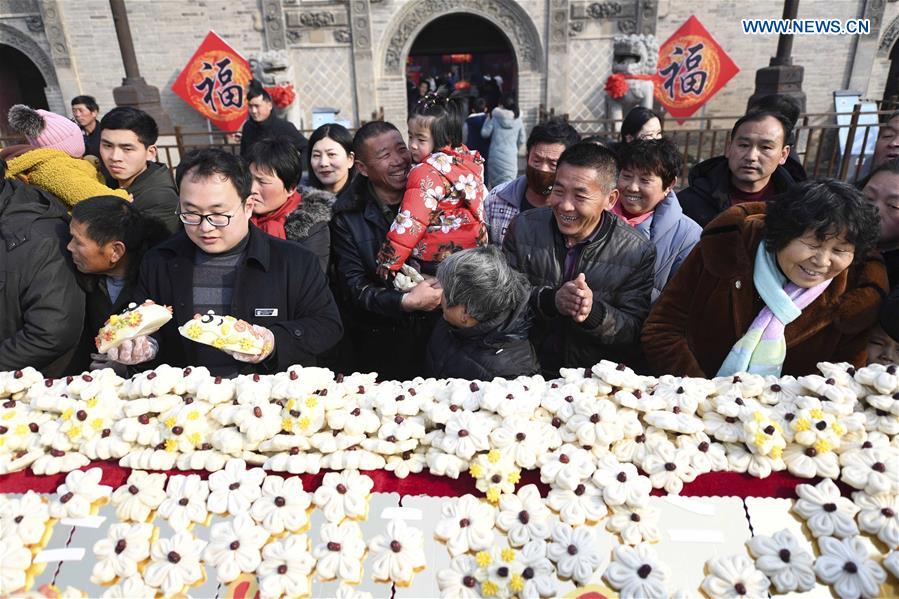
<point>340,49</point>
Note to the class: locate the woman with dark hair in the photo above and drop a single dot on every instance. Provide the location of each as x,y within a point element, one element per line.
<point>647,202</point>
<point>640,123</point>
<point>330,161</point>
<point>283,209</point>
<point>506,133</point>
<point>773,288</point>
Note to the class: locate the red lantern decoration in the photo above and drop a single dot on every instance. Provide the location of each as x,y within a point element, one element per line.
<point>282,95</point>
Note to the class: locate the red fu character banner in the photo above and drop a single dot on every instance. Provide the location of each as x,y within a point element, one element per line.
<point>692,68</point>
<point>214,82</point>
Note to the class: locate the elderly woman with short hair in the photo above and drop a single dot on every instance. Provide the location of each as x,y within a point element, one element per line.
<point>486,319</point>
<point>773,289</point>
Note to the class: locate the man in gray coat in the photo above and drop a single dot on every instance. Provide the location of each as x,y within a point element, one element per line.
<point>41,305</point>
<point>591,273</point>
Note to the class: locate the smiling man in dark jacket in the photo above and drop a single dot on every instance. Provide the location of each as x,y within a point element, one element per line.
<point>592,273</point>
<point>41,305</point>
<point>224,264</point>
<point>388,329</point>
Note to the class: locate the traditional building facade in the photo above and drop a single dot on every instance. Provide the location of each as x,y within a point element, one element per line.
<point>352,54</point>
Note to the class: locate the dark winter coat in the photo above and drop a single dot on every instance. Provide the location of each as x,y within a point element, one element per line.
<point>618,267</point>
<point>889,315</point>
<point>156,196</point>
<point>308,224</point>
<point>41,305</point>
<point>98,308</point>
<point>273,275</point>
<point>709,192</point>
<point>495,348</point>
<point>711,302</point>
<point>270,128</point>
<point>386,338</point>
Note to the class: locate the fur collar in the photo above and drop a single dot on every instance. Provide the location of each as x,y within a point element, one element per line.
<point>316,208</point>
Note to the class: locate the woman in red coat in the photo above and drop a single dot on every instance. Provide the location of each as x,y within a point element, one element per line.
<point>773,289</point>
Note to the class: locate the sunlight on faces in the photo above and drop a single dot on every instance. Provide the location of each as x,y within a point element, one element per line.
<point>385,161</point>
<point>882,191</point>
<point>214,195</point>
<point>882,349</point>
<point>421,142</point>
<point>259,108</point>
<point>269,192</point>
<point>124,155</point>
<point>578,201</point>
<point>755,153</point>
<point>640,192</point>
<point>887,146</point>
<point>807,261</point>
<point>331,163</point>
<point>89,256</point>
<point>83,116</point>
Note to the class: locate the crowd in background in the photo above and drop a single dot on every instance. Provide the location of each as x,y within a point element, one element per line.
<point>432,256</point>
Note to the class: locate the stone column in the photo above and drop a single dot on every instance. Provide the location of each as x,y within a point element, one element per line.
<point>134,91</point>
<point>363,61</point>
<point>273,20</point>
<point>781,76</point>
<point>557,24</point>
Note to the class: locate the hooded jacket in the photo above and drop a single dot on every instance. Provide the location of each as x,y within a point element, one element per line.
<point>709,192</point>
<point>506,135</point>
<point>69,179</point>
<point>155,194</point>
<point>442,210</point>
<point>308,224</point>
<point>271,127</point>
<point>712,301</point>
<point>673,235</point>
<point>41,305</point>
<point>495,348</point>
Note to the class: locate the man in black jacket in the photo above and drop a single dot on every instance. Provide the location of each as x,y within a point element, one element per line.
<point>109,239</point>
<point>751,170</point>
<point>263,124</point>
<point>41,306</point>
<point>128,150</point>
<point>389,330</point>
<point>224,264</point>
<point>592,273</point>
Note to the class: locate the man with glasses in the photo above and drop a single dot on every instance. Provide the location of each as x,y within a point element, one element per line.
<point>224,264</point>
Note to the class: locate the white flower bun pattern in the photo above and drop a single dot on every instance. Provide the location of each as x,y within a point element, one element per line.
<point>844,564</point>
<point>734,576</point>
<point>636,572</point>
<point>783,561</point>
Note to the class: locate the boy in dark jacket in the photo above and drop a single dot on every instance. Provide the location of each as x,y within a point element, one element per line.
<point>486,319</point>
<point>128,150</point>
<point>41,306</point>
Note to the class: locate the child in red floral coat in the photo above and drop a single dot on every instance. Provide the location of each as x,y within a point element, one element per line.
<point>442,209</point>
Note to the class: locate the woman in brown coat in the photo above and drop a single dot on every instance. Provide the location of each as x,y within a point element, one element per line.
<point>809,257</point>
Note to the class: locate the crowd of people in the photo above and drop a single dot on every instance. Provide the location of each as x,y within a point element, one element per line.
<point>371,252</point>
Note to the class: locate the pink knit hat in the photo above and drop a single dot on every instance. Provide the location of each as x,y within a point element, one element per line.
<point>47,129</point>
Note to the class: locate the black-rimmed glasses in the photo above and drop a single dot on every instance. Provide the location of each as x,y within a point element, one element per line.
<point>215,219</point>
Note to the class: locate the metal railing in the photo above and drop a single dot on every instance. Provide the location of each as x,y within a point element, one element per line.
<point>817,139</point>
<point>817,143</point>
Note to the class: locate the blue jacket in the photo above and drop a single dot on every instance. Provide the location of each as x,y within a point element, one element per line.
<point>673,234</point>
<point>506,134</point>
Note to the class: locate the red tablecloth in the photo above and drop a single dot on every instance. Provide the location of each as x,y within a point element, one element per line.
<point>713,484</point>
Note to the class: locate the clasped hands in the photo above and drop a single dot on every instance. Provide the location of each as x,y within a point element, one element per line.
<point>575,299</point>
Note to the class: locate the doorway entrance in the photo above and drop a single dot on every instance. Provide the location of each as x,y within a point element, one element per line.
<point>20,83</point>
